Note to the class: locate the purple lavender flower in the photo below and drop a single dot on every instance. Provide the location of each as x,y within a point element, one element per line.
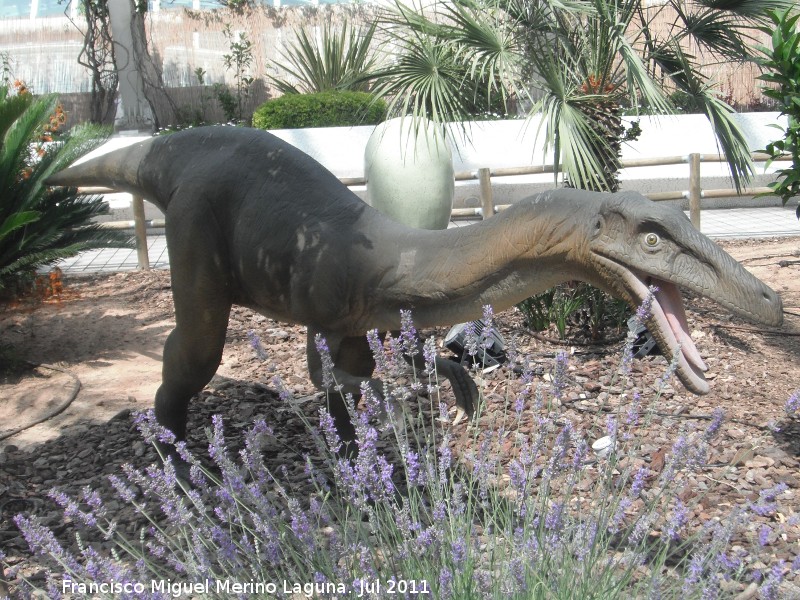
<point>408,334</point>
<point>641,529</point>
<point>680,516</point>
<point>444,415</point>
<point>445,583</point>
<point>150,430</point>
<point>554,465</point>
<point>458,551</point>
<point>717,417</point>
<point>554,518</point>
<point>488,330</point>
<point>677,459</point>
<point>125,492</point>
<point>471,339</point>
<point>327,362</point>
<point>792,406</point>
<point>769,589</point>
<point>519,478</point>
<point>300,525</point>
<point>632,414</point>
<point>256,345</point>
<point>371,401</point>
<point>42,541</point>
<point>526,379</point>
<point>414,473</point>
<point>639,480</point>
<point>763,535</point>
<point>445,459</point>
<point>611,428</point>
<point>767,500</point>
<point>429,354</point>
<point>439,511</point>
<point>559,383</point>
<point>376,347</point>
<point>639,319</point>
<point>616,520</point>
<point>328,426</point>
<point>71,508</point>
<point>284,393</point>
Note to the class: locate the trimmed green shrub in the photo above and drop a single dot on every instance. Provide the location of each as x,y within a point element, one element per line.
<point>323,109</point>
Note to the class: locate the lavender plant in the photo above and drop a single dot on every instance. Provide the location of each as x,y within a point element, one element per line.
<point>516,507</point>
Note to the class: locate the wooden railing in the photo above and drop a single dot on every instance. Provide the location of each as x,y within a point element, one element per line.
<point>484,176</point>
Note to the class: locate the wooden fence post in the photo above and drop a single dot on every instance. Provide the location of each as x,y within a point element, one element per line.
<point>140,231</point>
<point>487,198</point>
<point>695,191</point>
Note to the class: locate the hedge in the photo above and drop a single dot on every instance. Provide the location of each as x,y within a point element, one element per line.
<point>323,109</point>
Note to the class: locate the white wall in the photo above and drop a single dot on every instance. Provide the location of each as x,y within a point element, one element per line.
<point>515,143</point>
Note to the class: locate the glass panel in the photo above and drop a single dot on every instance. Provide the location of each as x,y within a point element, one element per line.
<point>15,9</point>
<point>51,8</point>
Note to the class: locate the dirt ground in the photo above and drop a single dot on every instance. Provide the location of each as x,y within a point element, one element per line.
<point>105,334</point>
<point>109,330</point>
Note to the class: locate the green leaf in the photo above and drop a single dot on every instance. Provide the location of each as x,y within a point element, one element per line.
<point>16,221</point>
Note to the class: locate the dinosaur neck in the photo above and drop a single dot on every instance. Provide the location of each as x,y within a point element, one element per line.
<point>446,277</point>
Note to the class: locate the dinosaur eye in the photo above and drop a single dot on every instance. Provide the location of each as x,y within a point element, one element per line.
<point>599,225</point>
<point>651,240</point>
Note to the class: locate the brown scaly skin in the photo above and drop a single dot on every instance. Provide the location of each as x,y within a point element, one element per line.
<point>253,221</point>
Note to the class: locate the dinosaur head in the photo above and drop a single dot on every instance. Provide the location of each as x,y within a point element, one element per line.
<point>635,243</point>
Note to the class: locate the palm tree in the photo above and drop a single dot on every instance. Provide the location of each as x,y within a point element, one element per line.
<point>578,63</point>
<point>41,225</point>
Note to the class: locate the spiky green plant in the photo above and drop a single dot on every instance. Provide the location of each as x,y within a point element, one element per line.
<point>41,225</point>
<point>341,58</point>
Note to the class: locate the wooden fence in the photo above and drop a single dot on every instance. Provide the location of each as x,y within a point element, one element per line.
<point>484,176</point>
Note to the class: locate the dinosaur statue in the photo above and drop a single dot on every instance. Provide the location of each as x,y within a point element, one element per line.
<point>251,220</point>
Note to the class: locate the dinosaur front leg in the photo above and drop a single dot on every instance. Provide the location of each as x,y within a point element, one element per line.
<point>193,350</point>
<point>353,364</point>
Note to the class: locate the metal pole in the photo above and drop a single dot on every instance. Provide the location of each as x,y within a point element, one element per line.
<point>140,231</point>
<point>695,192</point>
<point>487,199</point>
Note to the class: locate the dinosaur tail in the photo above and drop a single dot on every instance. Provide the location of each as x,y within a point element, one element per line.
<point>117,170</point>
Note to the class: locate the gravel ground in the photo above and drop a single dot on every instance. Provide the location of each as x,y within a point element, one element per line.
<point>752,372</point>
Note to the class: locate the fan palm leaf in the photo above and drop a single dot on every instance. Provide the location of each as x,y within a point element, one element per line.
<point>576,59</point>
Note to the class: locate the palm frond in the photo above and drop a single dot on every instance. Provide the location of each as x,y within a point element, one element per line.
<point>717,33</point>
<point>730,137</point>
<point>749,9</point>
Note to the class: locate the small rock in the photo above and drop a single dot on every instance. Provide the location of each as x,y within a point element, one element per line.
<point>759,462</point>
<point>735,434</point>
<point>139,448</point>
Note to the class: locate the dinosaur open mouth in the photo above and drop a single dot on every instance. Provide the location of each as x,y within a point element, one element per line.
<point>667,321</point>
<point>668,324</point>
